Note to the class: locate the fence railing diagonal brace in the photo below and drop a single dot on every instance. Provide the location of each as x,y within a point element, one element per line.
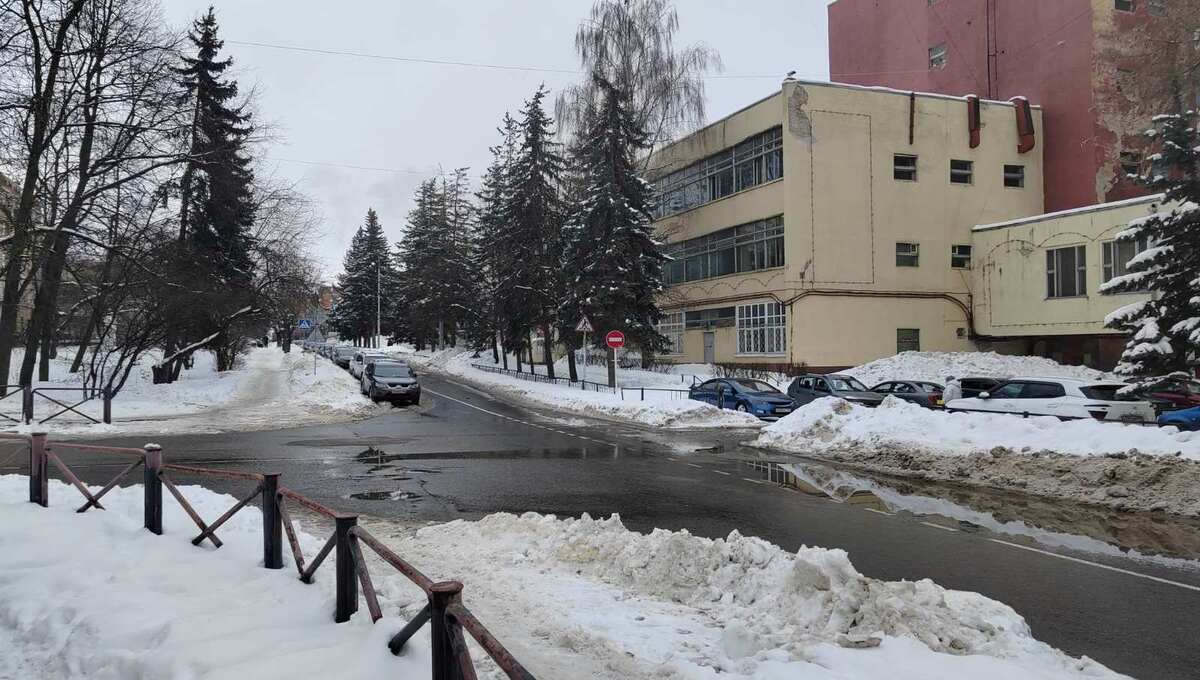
<point>65,407</point>
<point>66,472</point>
<point>396,644</point>
<point>228,514</point>
<point>290,530</point>
<point>187,507</point>
<point>364,579</point>
<point>325,550</point>
<point>93,501</point>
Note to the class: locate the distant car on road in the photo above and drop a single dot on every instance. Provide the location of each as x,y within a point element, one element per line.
<point>361,358</point>
<point>391,380</point>
<point>1064,398</point>
<point>342,356</point>
<point>925,394</point>
<point>1185,419</point>
<point>756,397</point>
<point>805,389</point>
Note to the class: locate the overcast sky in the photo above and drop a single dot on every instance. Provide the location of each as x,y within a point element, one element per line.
<point>399,122</point>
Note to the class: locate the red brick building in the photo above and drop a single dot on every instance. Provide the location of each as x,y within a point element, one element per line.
<point>1056,53</point>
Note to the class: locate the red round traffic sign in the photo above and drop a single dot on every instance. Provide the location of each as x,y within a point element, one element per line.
<point>615,339</point>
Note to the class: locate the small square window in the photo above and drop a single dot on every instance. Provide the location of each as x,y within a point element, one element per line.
<point>1014,176</point>
<point>961,172</point>
<point>904,167</point>
<point>908,340</point>
<point>937,56</point>
<point>1131,163</point>
<point>960,257</point>
<point>1157,8</point>
<point>1124,5</point>
<point>908,254</point>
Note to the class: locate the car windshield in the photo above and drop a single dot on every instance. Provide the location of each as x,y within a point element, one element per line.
<point>756,385</point>
<point>393,371</point>
<point>846,384</point>
<point>930,387</point>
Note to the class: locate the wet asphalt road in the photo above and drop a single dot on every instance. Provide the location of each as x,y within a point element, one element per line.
<point>464,454</point>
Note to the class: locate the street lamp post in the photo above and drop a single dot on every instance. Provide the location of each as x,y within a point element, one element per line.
<point>378,303</point>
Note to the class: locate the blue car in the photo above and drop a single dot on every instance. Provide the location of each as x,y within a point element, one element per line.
<point>1185,419</point>
<point>756,397</point>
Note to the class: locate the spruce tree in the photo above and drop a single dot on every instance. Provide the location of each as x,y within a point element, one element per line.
<point>349,312</point>
<point>1164,330</point>
<point>367,283</point>
<point>532,283</point>
<point>614,262</point>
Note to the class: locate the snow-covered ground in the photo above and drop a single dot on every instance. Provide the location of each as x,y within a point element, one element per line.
<point>660,409</point>
<point>96,596</point>
<point>936,366</point>
<point>269,389</point>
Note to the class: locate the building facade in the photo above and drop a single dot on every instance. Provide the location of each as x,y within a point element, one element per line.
<point>1060,53</point>
<point>827,225</point>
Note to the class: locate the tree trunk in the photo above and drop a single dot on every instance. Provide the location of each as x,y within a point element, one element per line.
<point>495,350</point>
<point>520,349</point>
<point>574,374</point>
<point>548,349</point>
<point>504,356</point>
<point>45,308</point>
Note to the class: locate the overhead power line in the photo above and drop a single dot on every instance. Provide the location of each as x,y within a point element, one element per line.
<point>355,167</point>
<point>461,64</point>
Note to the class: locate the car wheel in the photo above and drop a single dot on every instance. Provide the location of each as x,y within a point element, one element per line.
<point>742,407</point>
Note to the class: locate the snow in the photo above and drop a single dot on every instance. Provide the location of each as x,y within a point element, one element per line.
<point>832,424</point>
<point>269,390</point>
<point>660,409</point>
<point>1113,205</point>
<point>936,366</point>
<point>97,596</point>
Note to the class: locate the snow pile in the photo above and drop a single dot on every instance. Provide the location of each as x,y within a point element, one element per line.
<point>935,366</point>
<point>832,424</point>
<point>97,596</point>
<point>669,604</point>
<point>660,409</point>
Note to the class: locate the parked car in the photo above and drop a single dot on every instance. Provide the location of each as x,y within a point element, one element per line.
<point>925,394</point>
<point>1185,419</point>
<point>392,380</point>
<point>971,387</point>
<point>361,358</point>
<point>343,355</point>
<point>1174,395</point>
<point>756,397</point>
<point>1061,397</point>
<point>806,388</point>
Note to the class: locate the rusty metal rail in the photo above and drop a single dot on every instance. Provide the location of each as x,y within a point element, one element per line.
<point>444,611</point>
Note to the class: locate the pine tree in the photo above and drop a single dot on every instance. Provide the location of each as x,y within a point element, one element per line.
<point>367,283</point>
<point>531,287</point>
<point>1165,330</point>
<point>349,315</point>
<point>217,208</point>
<point>614,261</point>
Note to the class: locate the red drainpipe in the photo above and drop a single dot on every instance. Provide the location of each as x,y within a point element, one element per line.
<point>1025,130</point>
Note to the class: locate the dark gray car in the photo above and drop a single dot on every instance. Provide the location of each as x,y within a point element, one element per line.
<point>925,394</point>
<point>342,356</point>
<point>391,380</point>
<point>806,388</point>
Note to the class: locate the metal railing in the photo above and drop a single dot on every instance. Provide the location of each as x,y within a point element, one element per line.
<point>585,385</point>
<point>29,394</point>
<point>640,392</point>
<point>444,610</point>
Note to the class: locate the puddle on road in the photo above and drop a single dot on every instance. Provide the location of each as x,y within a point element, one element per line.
<point>1153,537</point>
<point>385,496</point>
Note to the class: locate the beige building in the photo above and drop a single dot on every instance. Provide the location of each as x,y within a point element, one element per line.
<point>1037,279</point>
<point>828,225</point>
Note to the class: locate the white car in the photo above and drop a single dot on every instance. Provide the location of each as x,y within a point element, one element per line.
<point>362,358</point>
<point>1061,397</point>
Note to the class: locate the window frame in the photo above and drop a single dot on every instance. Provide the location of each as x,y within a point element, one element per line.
<point>914,253</point>
<point>721,174</point>
<point>898,170</point>
<point>1014,173</point>
<point>1125,5</point>
<point>939,56</point>
<point>1055,269</point>
<point>761,329</point>
<point>740,249</point>
<point>1130,159</point>
<point>672,325</point>
<point>1110,257</point>
<point>960,256</point>
<point>903,345</point>
<point>1157,8</point>
<point>957,174</point>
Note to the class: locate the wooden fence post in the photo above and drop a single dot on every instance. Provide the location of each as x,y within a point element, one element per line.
<point>445,662</point>
<point>39,481</point>
<point>107,405</point>
<point>272,523</point>
<point>347,577</point>
<point>153,488</point>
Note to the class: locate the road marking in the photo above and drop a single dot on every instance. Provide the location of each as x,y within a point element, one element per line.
<point>510,418</point>
<point>938,526</point>
<point>1098,565</point>
<point>695,466</point>
<point>722,472</point>
<point>878,512</point>
<point>752,481</point>
<point>676,460</point>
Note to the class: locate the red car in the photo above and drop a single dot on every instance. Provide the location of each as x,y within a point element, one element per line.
<point>1175,395</point>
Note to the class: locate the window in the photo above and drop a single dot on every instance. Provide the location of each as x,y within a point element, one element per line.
<point>1066,272</point>
<point>1157,8</point>
<point>908,254</point>
<point>755,161</point>
<point>1124,5</point>
<point>744,248</point>
<point>960,257</point>
<point>1042,391</point>
<point>937,56</point>
<point>1014,176</point>
<point>908,340</point>
<point>885,388</point>
<point>710,318</point>
<point>1131,163</point>
<point>961,172</point>
<point>1126,82</point>
<point>1117,255</point>
<point>761,329</point>
<point>1011,390</point>
<point>904,167</point>
<point>671,325</point>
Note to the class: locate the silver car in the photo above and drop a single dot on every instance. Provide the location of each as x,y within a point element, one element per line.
<point>1064,398</point>
<point>391,380</point>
